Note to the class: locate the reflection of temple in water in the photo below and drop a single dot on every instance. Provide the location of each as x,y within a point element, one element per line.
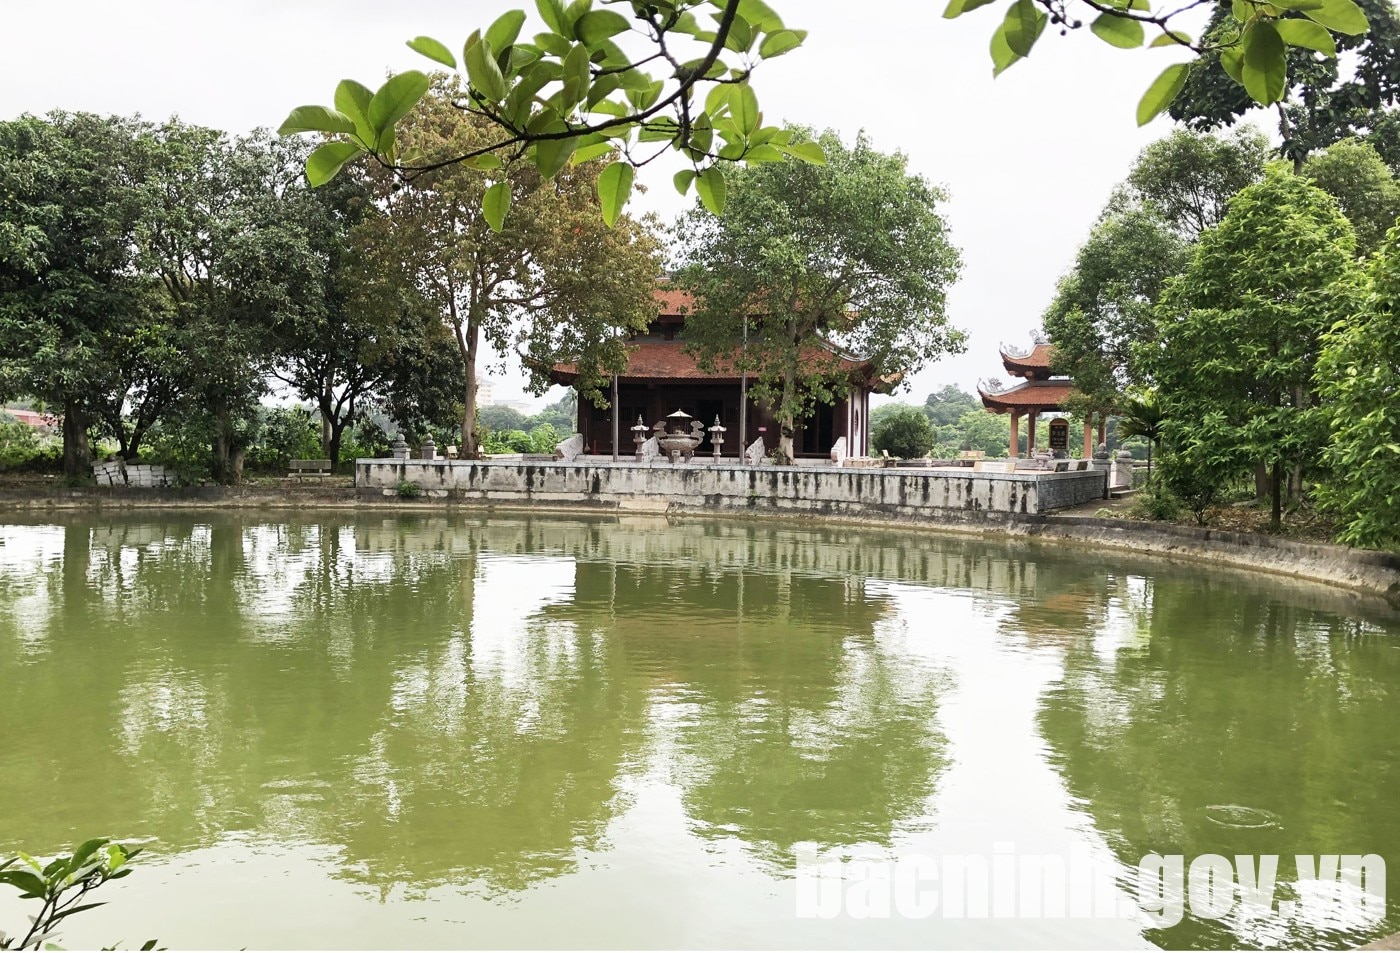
<point>477,702</point>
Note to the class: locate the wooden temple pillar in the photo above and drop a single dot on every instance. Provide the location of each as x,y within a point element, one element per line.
<point>1088,436</point>
<point>1015,434</point>
<point>1030,432</point>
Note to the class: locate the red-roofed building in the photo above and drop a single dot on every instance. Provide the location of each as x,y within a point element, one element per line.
<point>661,377</point>
<point>1040,393</point>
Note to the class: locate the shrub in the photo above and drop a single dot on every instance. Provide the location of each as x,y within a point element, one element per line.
<point>24,448</point>
<point>1157,502</point>
<point>903,432</point>
<point>408,490</point>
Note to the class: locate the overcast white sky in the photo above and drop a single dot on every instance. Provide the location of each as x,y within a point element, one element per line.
<point>1028,158</point>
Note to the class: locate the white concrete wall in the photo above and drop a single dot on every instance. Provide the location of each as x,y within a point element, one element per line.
<point>902,492</point>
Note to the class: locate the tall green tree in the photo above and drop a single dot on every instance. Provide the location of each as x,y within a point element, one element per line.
<point>1239,333</point>
<point>811,259</point>
<point>1102,312</point>
<point>1359,380</point>
<point>550,284</point>
<point>226,236</point>
<point>1190,177</point>
<point>369,322</point>
<point>947,405</point>
<point>67,227</point>
<point>1353,173</point>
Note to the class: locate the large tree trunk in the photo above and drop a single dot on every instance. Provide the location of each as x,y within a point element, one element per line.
<point>467,343</point>
<point>1276,516</point>
<point>222,466</point>
<point>786,424</point>
<point>332,444</point>
<point>77,452</point>
<point>1261,482</point>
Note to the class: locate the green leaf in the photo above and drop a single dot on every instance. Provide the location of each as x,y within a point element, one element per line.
<point>315,119</point>
<point>710,185</point>
<point>590,152</point>
<point>957,8</point>
<point>1023,25</point>
<point>78,909</point>
<point>760,15</point>
<point>483,71</point>
<point>326,160</point>
<point>353,99</point>
<point>495,204</point>
<point>393,101</point>
<point>25,880</point>
<point>682,180</point>
<point>1118,31</point>
<point>743,107</point>
<point>576,76</point>
<point>1340,16</point>
<point>776,44</point>
<point>433,50</point>
<point>1265,71</point>
<point>614,187</point>
<point>1162,91</point>
<point>1002,54</point>
<point>1171,38</point>
<point>552,12</point>
<point>595,26</point>
<point>805,151</point>
<point>85,850</point>
<point>502,34</point>
<point>551,155</point>
<point>1307,34</point>
<point>1232,61</point>
<point>486,162</point>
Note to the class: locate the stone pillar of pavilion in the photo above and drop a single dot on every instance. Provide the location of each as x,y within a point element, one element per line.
<point>1038,394</point>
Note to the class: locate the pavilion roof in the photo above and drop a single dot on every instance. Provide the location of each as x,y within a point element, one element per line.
<point>1041,395</point>
<point>650,360</point>
<point>1033,363</point>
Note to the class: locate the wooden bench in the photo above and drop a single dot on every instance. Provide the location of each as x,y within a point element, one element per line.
<point>320,469</point>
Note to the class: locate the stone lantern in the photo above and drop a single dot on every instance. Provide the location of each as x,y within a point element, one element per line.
<point>428,450</point>
<point>716,437</point>
<point>398,449</point>
<point>639,436</point>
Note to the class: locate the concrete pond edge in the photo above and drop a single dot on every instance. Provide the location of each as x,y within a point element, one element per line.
<point>1364,571</point>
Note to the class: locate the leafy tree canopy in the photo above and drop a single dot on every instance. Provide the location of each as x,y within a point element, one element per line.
<point>808,260</point>
<point>1368,192</point>
<point>1239,332</point>
<point>551,284</point>
<point>1359,377</point>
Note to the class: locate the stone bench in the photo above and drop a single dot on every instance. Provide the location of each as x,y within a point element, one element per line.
<point>309,468</point>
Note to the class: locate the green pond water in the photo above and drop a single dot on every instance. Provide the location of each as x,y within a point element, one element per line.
<point>342,731</point>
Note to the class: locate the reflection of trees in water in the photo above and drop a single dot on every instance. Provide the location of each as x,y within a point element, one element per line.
<point>783,720</point>
<point>1227,696</point>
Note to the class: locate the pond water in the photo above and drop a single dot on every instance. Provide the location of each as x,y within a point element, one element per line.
<point>348,732</point>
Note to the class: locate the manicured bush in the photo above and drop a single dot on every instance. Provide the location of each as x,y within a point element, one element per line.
<point>904,432</point>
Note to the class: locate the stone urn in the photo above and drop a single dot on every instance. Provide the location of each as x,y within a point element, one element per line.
<point>678,435</point>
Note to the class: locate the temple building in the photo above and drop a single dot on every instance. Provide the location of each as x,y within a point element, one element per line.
<point>1039,393</point>
<point>661,377</point>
